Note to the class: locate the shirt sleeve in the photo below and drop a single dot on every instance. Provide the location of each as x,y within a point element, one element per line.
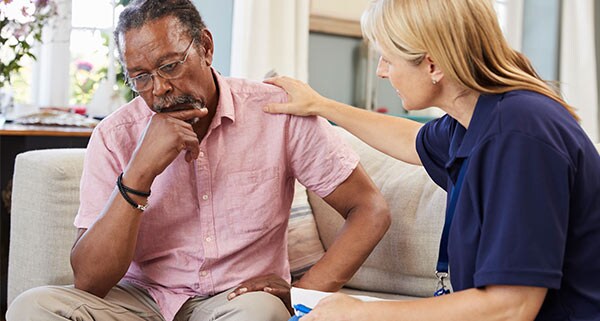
<point>433,143</point>
<point>319,158</point>
<point>523,190</point>
<point>98,180</point>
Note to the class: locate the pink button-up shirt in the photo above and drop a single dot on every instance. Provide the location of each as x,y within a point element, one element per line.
<point>221,219</point>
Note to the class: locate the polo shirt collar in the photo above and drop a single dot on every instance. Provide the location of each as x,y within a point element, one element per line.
<point>464,141</point>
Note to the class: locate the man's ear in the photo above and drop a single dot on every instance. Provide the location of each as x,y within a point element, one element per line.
<point>435,72</point>
<point>207,46</point>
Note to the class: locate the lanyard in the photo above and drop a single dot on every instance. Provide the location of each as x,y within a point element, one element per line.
<point>442,265</point>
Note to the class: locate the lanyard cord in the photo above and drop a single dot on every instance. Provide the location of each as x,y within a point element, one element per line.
<point>442,264</point>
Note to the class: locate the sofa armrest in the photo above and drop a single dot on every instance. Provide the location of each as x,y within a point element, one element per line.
<point>45,199</point>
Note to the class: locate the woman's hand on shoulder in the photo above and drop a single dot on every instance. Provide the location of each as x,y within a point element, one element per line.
<point>302,99</point>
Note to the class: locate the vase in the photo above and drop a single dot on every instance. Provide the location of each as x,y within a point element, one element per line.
<point>6,102</point>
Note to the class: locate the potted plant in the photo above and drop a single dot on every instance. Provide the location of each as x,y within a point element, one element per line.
<point>21,25</point>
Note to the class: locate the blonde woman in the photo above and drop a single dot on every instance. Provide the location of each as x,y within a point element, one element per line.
<point>522,177</point>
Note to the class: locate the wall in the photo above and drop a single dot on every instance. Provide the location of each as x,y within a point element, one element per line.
<point>541,36</point>
<point>353,9</point>
<point>336,68</point>
<point>597,21</point>
<point>333,71</point>
<point>218,15</point>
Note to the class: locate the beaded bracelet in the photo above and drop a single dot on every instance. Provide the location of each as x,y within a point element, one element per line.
<point>124,190</point>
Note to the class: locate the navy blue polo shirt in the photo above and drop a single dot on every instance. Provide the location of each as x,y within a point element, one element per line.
<point>529,209</point>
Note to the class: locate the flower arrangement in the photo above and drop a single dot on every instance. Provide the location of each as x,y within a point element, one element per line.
<point>21,24</point>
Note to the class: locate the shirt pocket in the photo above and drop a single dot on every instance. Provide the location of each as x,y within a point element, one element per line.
<point>252,199</point>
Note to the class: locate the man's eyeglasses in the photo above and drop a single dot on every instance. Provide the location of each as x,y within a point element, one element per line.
<point>171,70</point>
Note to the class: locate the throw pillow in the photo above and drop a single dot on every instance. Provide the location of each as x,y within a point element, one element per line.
<point>304,245</point>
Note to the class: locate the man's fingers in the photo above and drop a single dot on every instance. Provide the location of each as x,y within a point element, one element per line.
<point>192,147</point>
<point>188,114</point>
<point>270,287</point>
<point>239,291</point>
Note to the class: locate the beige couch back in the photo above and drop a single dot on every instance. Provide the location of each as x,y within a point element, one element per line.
<point>404,261</point>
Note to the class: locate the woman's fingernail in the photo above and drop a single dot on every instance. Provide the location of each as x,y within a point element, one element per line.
<point>267,289</point>
<point>231,295</point>
<point>243,290</point>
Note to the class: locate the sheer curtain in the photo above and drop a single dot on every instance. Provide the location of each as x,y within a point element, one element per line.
<point>270,35</point>
<point>51,74</point>
<point>578,77</point>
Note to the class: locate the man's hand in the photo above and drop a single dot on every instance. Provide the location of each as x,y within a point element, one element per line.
<point>271,283</point>
<point>166,135</point>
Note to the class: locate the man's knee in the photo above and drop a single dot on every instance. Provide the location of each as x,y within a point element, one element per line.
<point>34,302</point>
<point>259,306</point>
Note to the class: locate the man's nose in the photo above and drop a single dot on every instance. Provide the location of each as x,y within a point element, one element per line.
<point>160,85</point>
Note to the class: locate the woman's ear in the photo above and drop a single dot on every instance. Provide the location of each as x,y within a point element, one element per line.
<point>434,70</point>
<point>207,46</point>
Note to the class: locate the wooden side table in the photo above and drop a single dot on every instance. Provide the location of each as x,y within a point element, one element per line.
<point>15,139</point>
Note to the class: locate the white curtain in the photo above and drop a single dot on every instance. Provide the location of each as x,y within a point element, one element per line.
<point>270,35</point>
<point>578,76</point>
<point>51,74</point>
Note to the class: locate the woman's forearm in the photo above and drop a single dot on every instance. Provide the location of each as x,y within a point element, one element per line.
<point>395,136</point>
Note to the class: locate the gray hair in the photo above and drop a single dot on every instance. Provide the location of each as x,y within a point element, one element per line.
<point>140,12</point>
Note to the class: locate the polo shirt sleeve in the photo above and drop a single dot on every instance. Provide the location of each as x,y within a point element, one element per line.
<point>318,157</point>
<point>522,191</point>
<point>433,143</point>
<point>98,180</point>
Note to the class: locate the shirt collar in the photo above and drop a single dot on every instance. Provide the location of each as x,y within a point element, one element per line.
<point>225,108</point>
<point>464,141</point>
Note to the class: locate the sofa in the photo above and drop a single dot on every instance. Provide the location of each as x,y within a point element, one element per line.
<point>45,199</point>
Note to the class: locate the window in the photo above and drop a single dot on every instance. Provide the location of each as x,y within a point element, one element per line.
<point>91,40</point>
<point>90,25</point>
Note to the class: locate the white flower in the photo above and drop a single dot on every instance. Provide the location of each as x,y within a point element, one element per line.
<point>7,54</point>
<point>8,30</point>
<point>12,41</point>
<point>20,11</point>
<point>2,11</point>
<point>22,24</point>
<point>30,39</point>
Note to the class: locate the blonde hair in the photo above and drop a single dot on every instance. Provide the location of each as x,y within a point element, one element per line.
<point>464,39</point>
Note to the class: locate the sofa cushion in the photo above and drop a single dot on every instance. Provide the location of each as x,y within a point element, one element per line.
<point>405,259</point>
<point>45,199</point>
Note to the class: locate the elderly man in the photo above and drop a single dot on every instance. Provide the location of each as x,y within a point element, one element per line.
<point>194,227</point>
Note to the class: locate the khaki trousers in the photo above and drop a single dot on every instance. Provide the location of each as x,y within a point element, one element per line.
<point>127,302</point>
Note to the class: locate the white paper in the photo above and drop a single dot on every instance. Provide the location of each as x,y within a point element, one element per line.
<point>310,298</point>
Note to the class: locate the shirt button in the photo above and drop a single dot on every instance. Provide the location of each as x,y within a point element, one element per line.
<point>208,239</point>
<point>205,197</point>
<point>201,154</point>
<point>203,273</point>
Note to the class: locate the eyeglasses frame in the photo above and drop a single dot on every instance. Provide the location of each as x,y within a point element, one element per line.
<point>157,71</point>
